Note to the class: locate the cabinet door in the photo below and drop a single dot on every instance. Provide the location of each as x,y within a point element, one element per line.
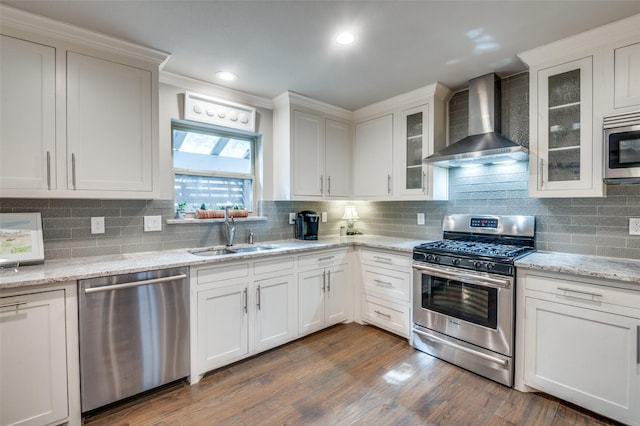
<point>338,159</point>
<point>27,115</point>
<point>373,158</point>
<point>109,120</point>
<point>308,154</point>
<point>33,359</point>
<point>565,147</point>
<point>415,144</point>
<point>336,295</point>
<point>311,289</point>
<point>627,76</point>
<point>222,326</point>
<point>584,356</point>
<point>276,311</point>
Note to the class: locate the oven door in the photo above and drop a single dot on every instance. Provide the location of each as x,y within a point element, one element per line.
<point>474,307</point>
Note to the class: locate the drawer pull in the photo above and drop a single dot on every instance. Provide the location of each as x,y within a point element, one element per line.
<point>383,283</point>
<point>383,259</point>
<point>322,259</point>
<point>382,314</point>
<point>638,344</point>
<point>586,293</point>
<point>16,304</point>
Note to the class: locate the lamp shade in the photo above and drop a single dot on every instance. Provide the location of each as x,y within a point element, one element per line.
<point>350,213</point>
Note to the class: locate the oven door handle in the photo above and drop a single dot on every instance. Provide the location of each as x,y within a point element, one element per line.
<point>486,357</point>
<point>456,275</point>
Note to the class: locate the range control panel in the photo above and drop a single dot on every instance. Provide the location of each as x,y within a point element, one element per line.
<point>205,109</point>
<point>484,222</point>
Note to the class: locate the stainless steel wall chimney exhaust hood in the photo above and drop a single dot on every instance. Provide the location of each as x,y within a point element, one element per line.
<point>484,144</point>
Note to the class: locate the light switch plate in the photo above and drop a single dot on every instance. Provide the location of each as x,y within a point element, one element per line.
<point>97,225</point>
<point>323,217</point>
<point>420,218</point>
<point>634,226</point>
<point>292,218</point>
<point>152,223</point>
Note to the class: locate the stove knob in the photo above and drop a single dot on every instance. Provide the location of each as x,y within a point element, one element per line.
<point>455,262</point>
<point>477,265</point>
<point>490,266</point>
<point>424,256</point>
<point>436,259</point>
<point>429,257</point>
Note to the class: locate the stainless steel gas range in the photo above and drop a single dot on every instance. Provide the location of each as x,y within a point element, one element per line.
<point>464,292</point>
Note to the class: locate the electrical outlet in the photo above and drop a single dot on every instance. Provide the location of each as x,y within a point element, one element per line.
<point>323,216</point>
<point>634,226</point>
<point>97,225</point>
<point>292,218</point>
<point>420,218</point>
<point>152,223</point>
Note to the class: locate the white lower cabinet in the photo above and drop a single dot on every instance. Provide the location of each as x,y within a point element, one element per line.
<point>581,343</point>
<point>386,290</point>
<point>323,285</point>
<point>39,377</point>
<point>240,309</point>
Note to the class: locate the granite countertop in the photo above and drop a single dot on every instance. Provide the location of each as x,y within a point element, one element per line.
<point>57,271</point>
<point>609,268</point>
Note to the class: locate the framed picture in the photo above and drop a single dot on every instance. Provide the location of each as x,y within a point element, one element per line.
<point>21,238</point>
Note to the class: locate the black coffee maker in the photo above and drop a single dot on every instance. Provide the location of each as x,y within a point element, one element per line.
<point>307,225</point>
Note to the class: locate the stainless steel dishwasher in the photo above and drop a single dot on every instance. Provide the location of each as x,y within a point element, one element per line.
<point>134,334</point>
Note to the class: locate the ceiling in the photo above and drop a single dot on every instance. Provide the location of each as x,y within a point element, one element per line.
<point>274,46</point>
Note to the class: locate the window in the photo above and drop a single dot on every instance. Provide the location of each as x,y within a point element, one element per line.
<point>213,166</point>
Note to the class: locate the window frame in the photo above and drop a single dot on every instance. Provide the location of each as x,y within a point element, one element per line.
<point>256,150</point>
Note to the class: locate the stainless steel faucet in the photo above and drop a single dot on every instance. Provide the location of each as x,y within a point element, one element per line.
<point>229,226</point>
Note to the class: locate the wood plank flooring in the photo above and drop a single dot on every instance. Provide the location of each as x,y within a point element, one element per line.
<point>344,375</point>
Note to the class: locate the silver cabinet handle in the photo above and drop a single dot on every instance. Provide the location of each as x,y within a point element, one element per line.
<point>328,185</point>
<point>73,170</point>
<point>388,184</point>
<point>245,301</point>
<point>49,170</point>
<point>134,284</point>
<point>486,357</point>
<point>638,344</point>
<point>382,314</point>
<point>324,281</point>
<point>328,280</point>
<point>383,283</point>
<point>16,304</point>
<point>321,184</point>
<point>322,259</point>
<point>541,173</point>
<point>383,259</point>
<point>258,297</point>
<point>586,293</point>
<point>424,176</point>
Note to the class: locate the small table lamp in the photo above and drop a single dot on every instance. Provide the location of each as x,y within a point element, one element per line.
<point>350,215</point>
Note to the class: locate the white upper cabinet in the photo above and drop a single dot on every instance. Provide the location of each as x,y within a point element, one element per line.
<point>109,125</point>
<point>27,115</point>
<point>372,171</point>
<point>79,112</point>
<point>627,76</point>
<point>312,149</point>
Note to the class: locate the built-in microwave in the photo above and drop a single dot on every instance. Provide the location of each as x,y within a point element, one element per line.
<point>622,149</point>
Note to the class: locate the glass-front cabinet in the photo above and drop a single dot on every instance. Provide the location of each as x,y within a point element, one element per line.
<point>562,159</point>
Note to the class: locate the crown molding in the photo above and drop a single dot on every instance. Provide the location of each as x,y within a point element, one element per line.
<point>293,99</point>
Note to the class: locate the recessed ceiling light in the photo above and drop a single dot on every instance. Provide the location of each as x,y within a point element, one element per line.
<point>345,38</point>
<point>226,76</point>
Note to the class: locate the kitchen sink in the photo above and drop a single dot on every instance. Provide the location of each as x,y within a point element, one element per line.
<point>222,251</point>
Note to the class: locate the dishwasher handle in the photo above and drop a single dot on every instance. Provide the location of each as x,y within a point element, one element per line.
<point>134,284</point>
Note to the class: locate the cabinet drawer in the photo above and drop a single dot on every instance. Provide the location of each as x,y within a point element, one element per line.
<point>385,259</point>
<point>386,282</point>
<point>390,316</point>
<point>272,265</point>
<point>322,259</point>
<point>569,290</point>
<point>222,273</point>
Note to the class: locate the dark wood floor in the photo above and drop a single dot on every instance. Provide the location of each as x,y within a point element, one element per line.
<point>347,374</point>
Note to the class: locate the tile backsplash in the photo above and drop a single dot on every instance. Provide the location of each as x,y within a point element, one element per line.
<point>596,226</point>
